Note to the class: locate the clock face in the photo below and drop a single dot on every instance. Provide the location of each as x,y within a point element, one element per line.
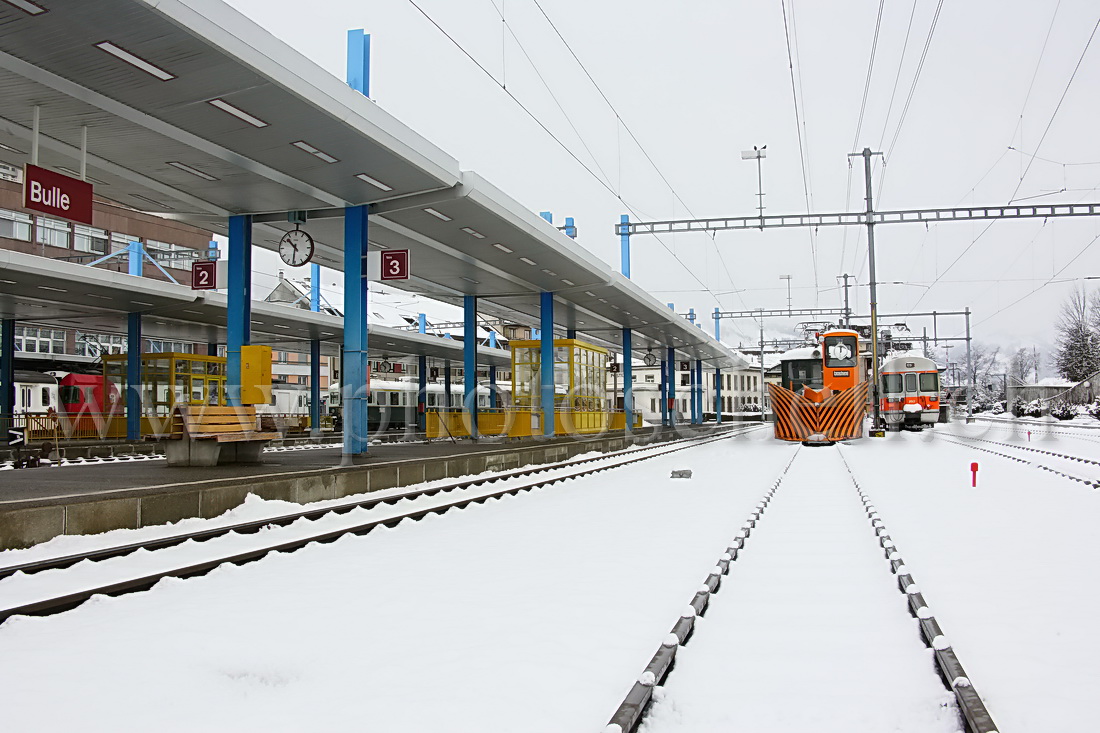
<point>296,248</point>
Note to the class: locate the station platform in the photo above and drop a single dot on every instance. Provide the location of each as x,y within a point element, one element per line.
<point>86,498</point>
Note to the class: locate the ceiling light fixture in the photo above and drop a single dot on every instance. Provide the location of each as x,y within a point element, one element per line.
<point>502,248</point>
<point>237,112</point>
<point>568,282</point>
<point>471,280</point>
<point>473,233</point>
<point>10,149</point>
<point>529,262</point>
<point>138,302</point>
<point>148,200</point>
<point>438,214</point>
<point>551,274</point>
<point>92,295</point>
<point>303,145</point>
<point>27,6</point>
<point>135,61</point>
<point>193,171</point>
<point>373,181</point>
<point>589,293</point>
<point>52,290</point>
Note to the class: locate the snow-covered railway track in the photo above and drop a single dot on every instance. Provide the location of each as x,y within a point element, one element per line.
<point>301,528</point>
<point>798,564</point>
<point>1057,470</point>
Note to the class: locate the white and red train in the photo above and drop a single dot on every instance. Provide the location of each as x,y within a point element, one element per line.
<point>909,396</point>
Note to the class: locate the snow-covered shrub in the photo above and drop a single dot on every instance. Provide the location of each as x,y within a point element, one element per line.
<point>1063,411</point>
<point>1034,409</point>
<point>1019,407</point>
<point>1094,409</point>
<point>998,408</point>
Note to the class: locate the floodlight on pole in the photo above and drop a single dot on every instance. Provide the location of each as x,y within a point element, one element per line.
<point>758,153</point>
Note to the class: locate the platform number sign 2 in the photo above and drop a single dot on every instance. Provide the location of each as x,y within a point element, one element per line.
<point>204,275</point>
<point>395,264</point>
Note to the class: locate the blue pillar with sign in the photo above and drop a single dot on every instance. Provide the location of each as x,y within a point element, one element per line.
<point>469,360</point>
<point>663,390</point>
<point>493,402</point>
<point>238,317</point>
<point>546,369</point>
<point>315,354</point>
<point>693,407</point>
<point>355,332</point>
<point>717,324</point>
<point>447,383</point>
<point>358,69</point>
<point>7,377</point>
<point>699,406</point>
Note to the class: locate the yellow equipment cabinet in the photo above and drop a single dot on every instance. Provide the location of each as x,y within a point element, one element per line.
<point>255,375</point>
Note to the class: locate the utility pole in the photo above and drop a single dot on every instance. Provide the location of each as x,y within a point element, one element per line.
<point>763,415</point>
<point>970,376</point>
<point>876,421</point>
<point>759,155</point>
<point>847,310</point>
<point>788,279</point>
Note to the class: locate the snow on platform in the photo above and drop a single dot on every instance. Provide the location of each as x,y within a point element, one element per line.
<point>809,631</point>
<point>530,613</point>
<point>1009,568</point>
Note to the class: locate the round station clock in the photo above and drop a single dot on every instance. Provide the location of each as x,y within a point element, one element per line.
<point>296,248</point>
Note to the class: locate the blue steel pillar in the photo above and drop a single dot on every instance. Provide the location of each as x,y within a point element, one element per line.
<point>570,228</point>
<point>315,354</point>
<point>422,380</point>
<point>469,360</point>
<point>691,315</point>
<point>663,389</point>
<point>355,331</point>
<point>7,375</point>
<point>447,383</point>
<point>546,307</point>
<point>315,388</point>
<point>717,324</point>
<point>133,377</point>
<point>238,317</point>
<point>628,379</point>
<point>624,245</point>
<point>699,391</point>
<point>493,386</point>
<point>571,333</point>
<point>693,407</point>
<point>358,69</point>
<point>718,395</point>
<point>672,375</point>
<point>134,264</point>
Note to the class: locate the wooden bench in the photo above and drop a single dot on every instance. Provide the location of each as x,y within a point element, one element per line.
<point>205,435</point>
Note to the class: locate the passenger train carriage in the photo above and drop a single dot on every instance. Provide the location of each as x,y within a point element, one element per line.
<point>910,392</point>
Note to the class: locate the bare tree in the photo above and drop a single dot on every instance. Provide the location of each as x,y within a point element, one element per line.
<point>1024,365</point>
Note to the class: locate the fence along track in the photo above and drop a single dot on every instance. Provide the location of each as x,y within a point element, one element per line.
<point>69,601</point>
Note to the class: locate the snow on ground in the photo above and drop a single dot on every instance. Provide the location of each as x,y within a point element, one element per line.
<point>252,509</point>
<point>809,631</point>
<point>1008,569</point>
<point>531,613</point>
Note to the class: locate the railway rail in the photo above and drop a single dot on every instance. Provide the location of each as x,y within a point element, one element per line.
<point>559,472</point>
<point>632,710</point>
<point>1091,482</point>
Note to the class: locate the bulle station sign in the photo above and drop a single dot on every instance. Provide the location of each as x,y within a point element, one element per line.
<point>57,195</point>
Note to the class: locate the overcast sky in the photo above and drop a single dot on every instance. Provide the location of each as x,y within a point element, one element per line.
<point>699,81</point>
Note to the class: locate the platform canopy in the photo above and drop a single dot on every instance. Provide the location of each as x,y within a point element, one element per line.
<point>96,301</point>
<point>195,112</point>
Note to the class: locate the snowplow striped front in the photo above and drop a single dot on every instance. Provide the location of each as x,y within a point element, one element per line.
<point>838,417</point>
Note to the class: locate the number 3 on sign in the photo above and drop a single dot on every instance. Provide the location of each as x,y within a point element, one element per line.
<point>395,264</point>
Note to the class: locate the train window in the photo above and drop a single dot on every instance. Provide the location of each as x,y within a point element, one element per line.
<point>69,395</point>
<point>393,398</point>
<point>910,382</point>
<point>45,396</point>
<point>840,351</point>
<point>891,383</point>
<point>929,382</point>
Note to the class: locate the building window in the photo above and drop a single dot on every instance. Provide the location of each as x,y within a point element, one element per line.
<point>52,232</point>
<point>89,239</point>
<point>15,225</point>
<point>650,378</point>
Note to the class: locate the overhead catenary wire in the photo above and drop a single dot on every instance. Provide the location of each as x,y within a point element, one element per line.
<point>604,183</point>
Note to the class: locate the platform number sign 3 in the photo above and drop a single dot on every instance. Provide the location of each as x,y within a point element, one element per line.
<point>204,275</point>
<point>395,264</point>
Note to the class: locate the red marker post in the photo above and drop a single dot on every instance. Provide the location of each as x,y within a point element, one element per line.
<point>974,475</point>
